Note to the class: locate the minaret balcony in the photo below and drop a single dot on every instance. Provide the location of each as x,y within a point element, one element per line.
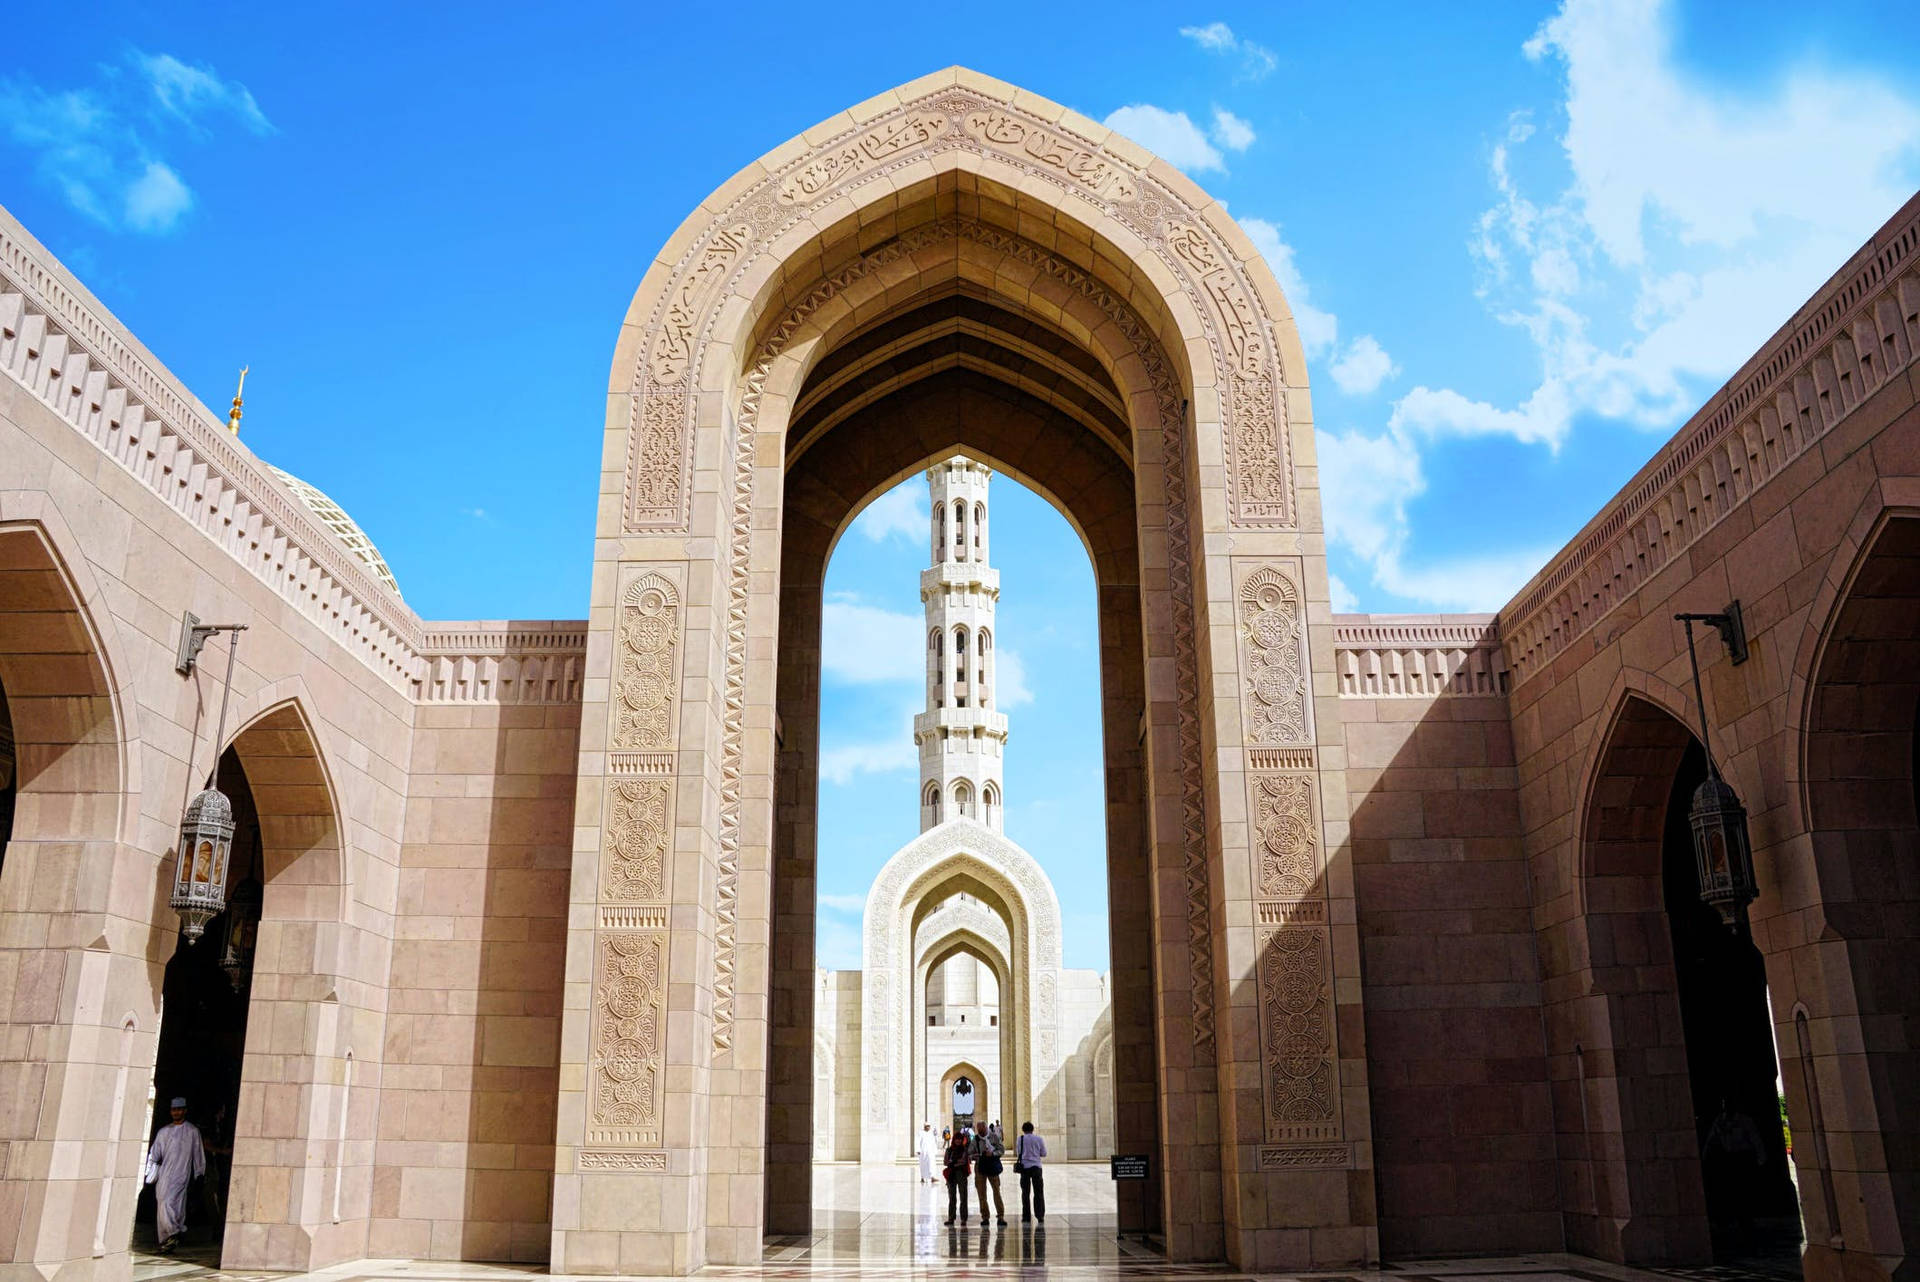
<point>960,723</point>
<point>959,576</point>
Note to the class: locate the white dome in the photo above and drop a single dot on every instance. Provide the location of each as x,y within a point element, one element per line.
<point>335,518</point>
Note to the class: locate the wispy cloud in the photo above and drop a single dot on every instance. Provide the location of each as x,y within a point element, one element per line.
<point>900,512</point>
<point>843,903</point>
<point>1010,679</point>
<point>1256,61</point>
<point>1673,251</point>
<point>865,644</point>
<point>1171,135</point>
<point>1175,138</point>
<point>895,753</point>
<point>103,146</point>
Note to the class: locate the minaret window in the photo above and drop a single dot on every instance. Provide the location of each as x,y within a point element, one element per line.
<point>959,529</point>
<point>933,804</point>
<point>979,525</point>
<point>962,799</point>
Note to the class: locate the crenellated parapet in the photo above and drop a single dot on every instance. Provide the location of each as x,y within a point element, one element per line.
<point>503,663</point>
<point>1418,656</point>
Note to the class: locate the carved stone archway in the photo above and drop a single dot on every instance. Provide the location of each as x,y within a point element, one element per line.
<point>1150,327</point>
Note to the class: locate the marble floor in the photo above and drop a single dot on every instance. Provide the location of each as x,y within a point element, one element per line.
<point>878,1223</point>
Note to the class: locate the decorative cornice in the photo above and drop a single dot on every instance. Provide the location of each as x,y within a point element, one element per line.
<point>498,662</point>
<point>1858,330</point>
<point>1418,656</point>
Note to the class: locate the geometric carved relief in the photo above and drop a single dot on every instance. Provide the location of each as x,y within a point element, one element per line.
<point>1273,640</point>
<point>643,694</point>
<point>630,1009</point>
<point>1296,1017</point>
<point>636,841</point>
<point>1286,846</point>
<point>1256,445</point>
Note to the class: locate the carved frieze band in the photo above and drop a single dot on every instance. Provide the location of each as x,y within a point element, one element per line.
<point>1286,1157</point>
<point>1273,657</point>
<point>596,1159</point>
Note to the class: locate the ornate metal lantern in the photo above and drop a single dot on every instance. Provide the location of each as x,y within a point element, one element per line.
<point>200,877</point>
<point>243,932</point>
<point>1722,853</point>
<point>206,831</point>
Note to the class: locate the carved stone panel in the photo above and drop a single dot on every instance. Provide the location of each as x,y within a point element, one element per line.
<point>1286,836</point>
<point>637,832</point>
<point>644,690</point>
<point>629,1039</point>
<point>1302,1079</point>
<point>1273,655</point>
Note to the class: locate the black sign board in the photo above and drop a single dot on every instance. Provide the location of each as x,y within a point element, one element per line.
<point>1128,1166</point>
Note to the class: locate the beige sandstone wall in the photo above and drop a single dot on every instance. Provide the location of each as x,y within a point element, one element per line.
<point>465,1154</point>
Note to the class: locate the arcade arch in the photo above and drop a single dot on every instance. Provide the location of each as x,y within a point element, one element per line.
<point>953,273</point>
<point>1680,1034</point>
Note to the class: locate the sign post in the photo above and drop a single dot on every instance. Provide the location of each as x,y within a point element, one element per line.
<point>1130,1166</point>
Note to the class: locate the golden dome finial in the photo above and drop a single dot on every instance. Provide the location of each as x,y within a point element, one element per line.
<point>233,415</point>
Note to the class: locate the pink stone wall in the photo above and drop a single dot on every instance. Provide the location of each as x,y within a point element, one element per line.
<point>464,1164</point>
<point>1462,1121</point>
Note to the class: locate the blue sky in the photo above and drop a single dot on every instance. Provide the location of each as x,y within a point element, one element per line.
<point>1523,242</point>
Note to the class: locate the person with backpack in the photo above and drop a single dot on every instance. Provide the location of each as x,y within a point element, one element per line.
<point>955,1164</point>
<point>986,1152</point>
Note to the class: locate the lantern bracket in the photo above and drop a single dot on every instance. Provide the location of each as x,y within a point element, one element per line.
<point>1731,626</point>
<point>194,636</point>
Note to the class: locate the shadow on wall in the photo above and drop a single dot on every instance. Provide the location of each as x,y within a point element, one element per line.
<point>1464,1155</point>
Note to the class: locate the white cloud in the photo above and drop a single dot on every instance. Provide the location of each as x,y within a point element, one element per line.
<point>1318,329</point>
<point>1344,601</point>
<point>843,903</point>
<point>1365,366</point>
<point>1696,219</point>
<point>865,645</point>
<point>1230,131</point>
<point>156,199</point>
<point>840,762</point>
<point>1010,679</point>
<point>185,91</point>
<point>1170,135</point>
<point>900,511</point>
<point>1678,206</point>
<point>102,146</point>
<point>1217,37</point>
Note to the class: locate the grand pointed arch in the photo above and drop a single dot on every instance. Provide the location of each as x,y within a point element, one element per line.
<point>956,265</point>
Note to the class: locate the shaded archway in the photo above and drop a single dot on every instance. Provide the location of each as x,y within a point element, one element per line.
<point>1861,780</point>
<point>1674,1062</point>
<point>299,1193</point>
<point>65,878</point>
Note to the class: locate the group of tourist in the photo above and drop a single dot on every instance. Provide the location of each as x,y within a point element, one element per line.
<point>982,1154</point>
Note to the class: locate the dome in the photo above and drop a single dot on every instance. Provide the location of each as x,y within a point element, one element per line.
<point>335,518</point>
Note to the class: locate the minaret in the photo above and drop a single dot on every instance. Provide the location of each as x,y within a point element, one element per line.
<point>962,735</point>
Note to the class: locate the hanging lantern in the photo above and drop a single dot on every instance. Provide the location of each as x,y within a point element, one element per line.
<point>1722,855</point>
<point>243,932</point>
<point>200,879</point>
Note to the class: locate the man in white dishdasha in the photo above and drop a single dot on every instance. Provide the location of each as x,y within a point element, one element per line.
<point>176,1158</point>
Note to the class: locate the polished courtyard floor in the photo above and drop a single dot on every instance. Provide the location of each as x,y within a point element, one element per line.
<point>878,1223</point>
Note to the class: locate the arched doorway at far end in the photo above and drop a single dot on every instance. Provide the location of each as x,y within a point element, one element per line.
<point>951,1095</point>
